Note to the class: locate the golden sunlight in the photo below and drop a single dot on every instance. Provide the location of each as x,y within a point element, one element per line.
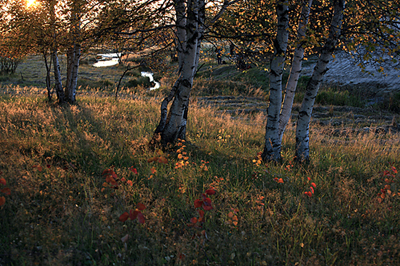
<point>30,3</point>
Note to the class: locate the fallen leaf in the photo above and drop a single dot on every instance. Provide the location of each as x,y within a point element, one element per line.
<point>3,181</point>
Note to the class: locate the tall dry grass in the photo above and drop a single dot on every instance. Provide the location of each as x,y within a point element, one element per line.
<point>61,210</point>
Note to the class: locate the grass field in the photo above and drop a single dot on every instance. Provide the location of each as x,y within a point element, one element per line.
<point>72,177</point>
<point>62,210</point>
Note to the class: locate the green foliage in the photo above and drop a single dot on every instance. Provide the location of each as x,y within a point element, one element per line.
<point>140,81</point>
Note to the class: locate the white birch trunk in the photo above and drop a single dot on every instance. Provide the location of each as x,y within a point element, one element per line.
<point>73,56</point>
<point>295,69</point>
<point>272,144</point>
<point>173,125</point>
<point>202,15</point>
<point>48,71</point>
<point>180,11</point>
<point>54,57</point>
<point>302,130</point>
<point>57,77</point>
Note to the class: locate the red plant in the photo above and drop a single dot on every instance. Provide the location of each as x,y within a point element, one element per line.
<point>133,214</point>
<point>5,190</point>
<point>389,176</point>
<point>133,170</point>
<point>313,185</point>
<point>206,204</point>
<point>111,177</point>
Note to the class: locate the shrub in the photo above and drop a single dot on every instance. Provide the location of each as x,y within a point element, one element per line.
<point>8,65</point>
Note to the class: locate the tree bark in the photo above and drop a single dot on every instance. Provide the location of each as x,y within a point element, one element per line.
<point>302,130</point>
<point>172,125</point>
<point>295,69</point>
<point>48,79</point>
<point>180,12</point>
<point>57,77</point>
<point>73,54</point>
<point>272,144</point>
<point>73,57</point>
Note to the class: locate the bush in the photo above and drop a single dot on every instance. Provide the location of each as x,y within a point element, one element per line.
<point>143,81</point>
<point>8,65</point>
<point>391,103</point>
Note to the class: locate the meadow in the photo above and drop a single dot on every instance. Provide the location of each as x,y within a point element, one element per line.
<point>84,188</point>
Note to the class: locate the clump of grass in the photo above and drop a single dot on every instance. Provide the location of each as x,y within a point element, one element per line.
<point>63,210</point>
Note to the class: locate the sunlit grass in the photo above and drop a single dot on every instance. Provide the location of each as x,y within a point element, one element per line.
<point>62,213</point>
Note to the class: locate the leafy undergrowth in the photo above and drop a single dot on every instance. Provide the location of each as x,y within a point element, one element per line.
<point>84,189</point>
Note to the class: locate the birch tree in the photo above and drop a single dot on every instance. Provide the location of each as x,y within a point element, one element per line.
<point>303,122</point>
<point>278,114</point>
<point>190,17</point>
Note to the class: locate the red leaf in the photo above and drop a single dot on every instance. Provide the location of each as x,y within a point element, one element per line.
<point>141,218</point>
<point>309,179</point>
<point>2,201</point>
<point>394,169</point>
<point>312,190</point>
<point>124,217</point>
<point>106,172</point>
<point>6,191</point>
<point>193,220</point>
<point>207,208</point>
<point>140,206</point>
<point>133,170</point>
<point>314,185</point>
<point>207,201</point>
<point>308,193</point>
<point>201,213</point>
<point>210,191</point>
<point>133,214</point>
<point>198,203</point>
<point>280,180</point>
<point>3,181</point>
<point>129,182</point>
<point>153,170</point>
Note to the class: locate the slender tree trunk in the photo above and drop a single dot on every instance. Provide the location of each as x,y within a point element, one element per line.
<point>202,15</point>
<point>272,144</point>
<point>73,55</point>
<point>180,10</point>
<point>48,79</point>
<point>54,57</point>
<point>295,69</point>
<point>302,131</point>
<point>57,77</point>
